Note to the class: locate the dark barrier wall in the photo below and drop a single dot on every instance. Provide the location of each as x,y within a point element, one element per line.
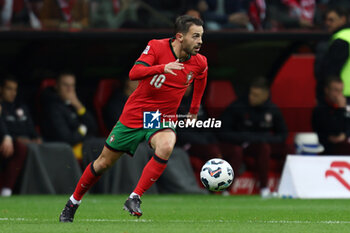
<point>238,56</point>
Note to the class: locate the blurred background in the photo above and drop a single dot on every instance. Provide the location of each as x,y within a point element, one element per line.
<point>99,40</point>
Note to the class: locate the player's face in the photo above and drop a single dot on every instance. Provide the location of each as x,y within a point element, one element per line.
<point>257,96</point>
<point>192,40</point>
<point>9,91</point>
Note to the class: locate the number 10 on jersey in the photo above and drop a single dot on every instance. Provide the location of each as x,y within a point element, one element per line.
<point>157,80</point>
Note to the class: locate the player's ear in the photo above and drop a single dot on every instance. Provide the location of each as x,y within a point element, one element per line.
<point>179,36</point>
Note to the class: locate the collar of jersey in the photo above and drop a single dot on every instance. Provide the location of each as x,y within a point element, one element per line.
<point>172,50</point>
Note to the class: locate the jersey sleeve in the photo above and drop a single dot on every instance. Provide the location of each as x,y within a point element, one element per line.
<point>203,68</point>
<point>200,83</point>
<point>199,87</point>
<point>146,65</point>
<point>149,55</point>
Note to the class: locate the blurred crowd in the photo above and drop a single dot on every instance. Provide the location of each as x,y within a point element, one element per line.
<point>249,15</point>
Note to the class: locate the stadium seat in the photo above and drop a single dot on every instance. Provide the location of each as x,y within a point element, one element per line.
<point>220,94</point>
<point>49,82</point>
<point>103,93</point>
<point>293,90</point>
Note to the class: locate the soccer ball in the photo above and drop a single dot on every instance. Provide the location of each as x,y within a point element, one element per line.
<point>216,174</point>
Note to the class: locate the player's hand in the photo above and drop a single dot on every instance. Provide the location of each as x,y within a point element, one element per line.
<point>73,99</point>
<point>337,139</point>
<point>6,147</point>
<point>176,65</point>
<point>341,101</point>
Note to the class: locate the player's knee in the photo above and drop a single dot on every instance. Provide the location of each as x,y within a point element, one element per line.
<point>165,149</point>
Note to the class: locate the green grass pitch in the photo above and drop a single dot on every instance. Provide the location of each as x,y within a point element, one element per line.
<point>176,213</point>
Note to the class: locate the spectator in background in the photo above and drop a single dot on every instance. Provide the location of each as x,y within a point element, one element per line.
<point>114,14</point>
<point>38,157</point>
<point>256,129</point>
<point>194,13</point>
<point>13,151</point>
<point>331,119</point>
<point>220,14</point>
<point>12,157</point>
<point>20,13</point>
<point>65,118</point>
<point>285,14</point>
<point>65,14</point>
<point>134,13</point>
<point>16,115</point>
<point>335,61</point>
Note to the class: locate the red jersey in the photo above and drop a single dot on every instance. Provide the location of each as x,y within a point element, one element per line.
<point>159,91</point>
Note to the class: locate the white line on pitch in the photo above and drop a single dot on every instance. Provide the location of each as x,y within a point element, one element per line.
<point>299,222</point>
<point>185,221</point>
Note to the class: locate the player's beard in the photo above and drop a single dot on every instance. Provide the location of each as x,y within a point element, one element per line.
<point>190,50</point>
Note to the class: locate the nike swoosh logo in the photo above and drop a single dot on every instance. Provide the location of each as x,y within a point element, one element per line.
<point>213,173</point>
<point>153,180</point>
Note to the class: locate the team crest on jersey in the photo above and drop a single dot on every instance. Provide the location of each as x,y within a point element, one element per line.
<point>111,139</point>
<point>146,49</point>
<point>189,77</point>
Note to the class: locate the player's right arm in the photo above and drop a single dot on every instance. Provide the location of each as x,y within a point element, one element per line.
<point>147,66</point>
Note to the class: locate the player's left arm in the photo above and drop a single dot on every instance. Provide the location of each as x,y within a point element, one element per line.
<point>200,83</point>
<point>146,65</point>
<point>141,71</point>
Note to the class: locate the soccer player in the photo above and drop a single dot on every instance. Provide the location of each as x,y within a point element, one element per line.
<point>164,70</point>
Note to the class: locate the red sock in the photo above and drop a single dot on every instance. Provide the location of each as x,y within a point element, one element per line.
<point>151,172</point>
<point>87,180</point>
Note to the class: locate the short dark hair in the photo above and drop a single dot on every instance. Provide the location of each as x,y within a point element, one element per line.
<point>332,78</point>
<point>340,11</point>
<point>8,78</point>
<point>184,22</point>
<point>64,73</point>
<point>260,82</point>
